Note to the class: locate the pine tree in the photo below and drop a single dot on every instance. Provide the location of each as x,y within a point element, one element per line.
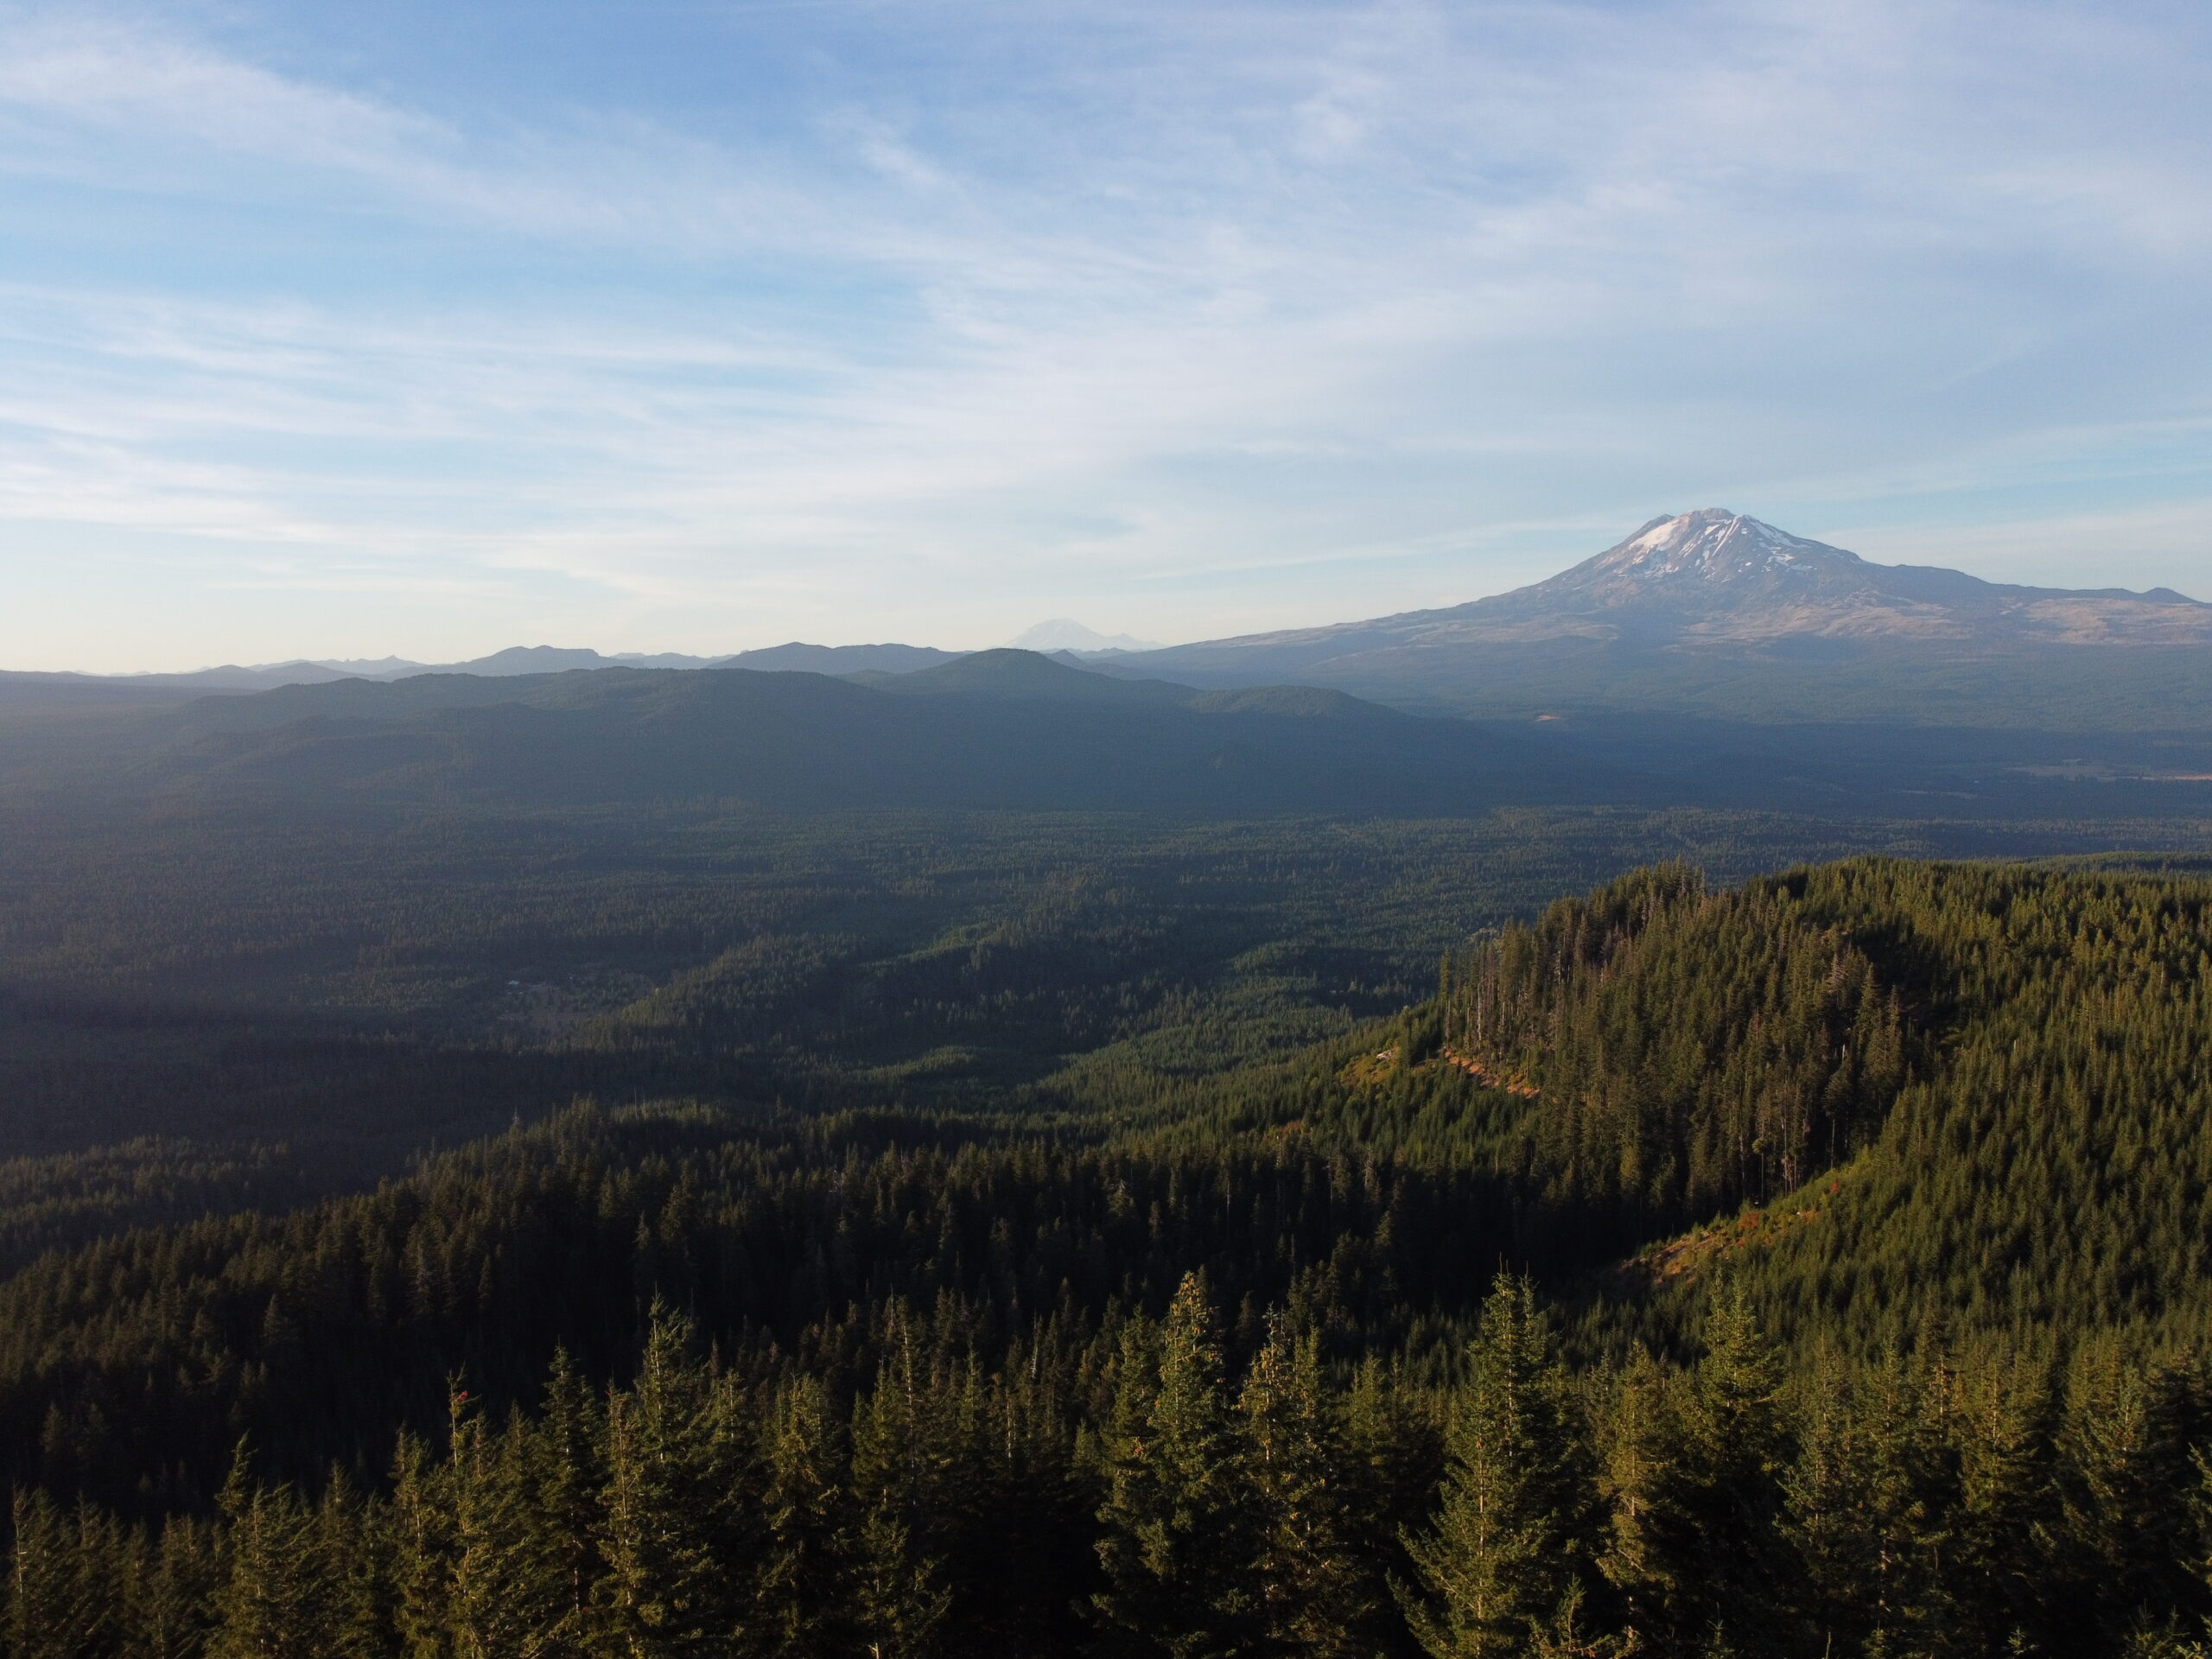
<point>418,1542</point>
<point>1307,1578</point>
<point>1176,1540</point>
<point>1736,1452</point>
<point>1505,1557</point>
<point>502,1596</point>
<point>276,1601</point>
<point>171,1609</point>
<point>569,1476</point>
<point>352,1536</point>
<point>61,1587</point>
<point>2125,1478</point>
<point>1652,1553</point>
<point>1872,1505</point>
<point>2008,1502</point>
<point>675,1501</point>
<point>1393,1457</point>
<point>802,1596</point>
<point>903,1460</point>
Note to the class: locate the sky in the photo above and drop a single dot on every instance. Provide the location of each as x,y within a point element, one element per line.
<point>335,330</point>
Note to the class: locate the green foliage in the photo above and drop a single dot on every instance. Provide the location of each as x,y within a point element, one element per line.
<point>1510,1547</point>
<point>1192,1356</point>
<point>1691,1050</point>
<point>1176,1531</point>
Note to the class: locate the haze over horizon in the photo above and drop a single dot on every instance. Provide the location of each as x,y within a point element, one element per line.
<point>702,329</point>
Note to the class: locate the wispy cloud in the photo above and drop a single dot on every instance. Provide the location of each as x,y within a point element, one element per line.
<point>1182,318</point>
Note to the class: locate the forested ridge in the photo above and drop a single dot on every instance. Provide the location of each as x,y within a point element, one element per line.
<point>1831,1278</point>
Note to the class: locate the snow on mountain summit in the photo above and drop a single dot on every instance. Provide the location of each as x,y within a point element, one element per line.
<point>1709,581</point>
<point>1715,544</point>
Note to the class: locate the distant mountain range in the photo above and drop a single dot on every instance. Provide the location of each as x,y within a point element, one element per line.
<point>1710,612</point>
<point>19,687</point>
<point>1016,729</point>
<point>995,730</point>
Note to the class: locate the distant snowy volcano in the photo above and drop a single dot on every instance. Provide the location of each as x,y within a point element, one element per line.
<point>1691,595</point>
<point>1715,545</point>
<point>1715,575</point>
<point>1065,634</point>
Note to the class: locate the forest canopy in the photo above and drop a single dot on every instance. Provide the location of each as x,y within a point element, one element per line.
<point>1815,1265</point>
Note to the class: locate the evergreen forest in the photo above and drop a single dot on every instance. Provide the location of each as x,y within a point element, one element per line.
<point>1807,1264</point>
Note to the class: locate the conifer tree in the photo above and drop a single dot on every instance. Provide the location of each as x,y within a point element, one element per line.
<point>675,1501</point>
<point>1311,1596</point>
<point>2009,1515</point>
<point>1652,1555</point>
<point>418,1542</point>
<point>1735,1454</point>
<point>1505,1557</point>
<point>1393,1458</point>
<point>905,1455</point>
<point>569,1478</point>
<point>803,1589</point>
<point>1873,1503</point>
<point>276,1601</point>
<point>60,1593</point>
<point>501,1596</point>
<point>2125,1478</point>
<point>172,1596</point>
<point>1176,1540</point>
<point>353,1538</point>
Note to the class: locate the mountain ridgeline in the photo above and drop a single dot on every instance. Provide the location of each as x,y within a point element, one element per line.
<point>1709,613</point>
<point>994,730</point>
<point>1816,1267</point>
<point>1014,730</point>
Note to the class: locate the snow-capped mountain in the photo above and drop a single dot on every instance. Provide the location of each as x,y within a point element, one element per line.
<point>1716,578</point>
<point>1714,599</point>
<point>1065,634</point>
<point>1714,545</point>
<point>1712,576</point>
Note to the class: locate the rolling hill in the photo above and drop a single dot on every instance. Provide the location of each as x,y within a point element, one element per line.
<point>999,730</point>
<point>1014,729</point>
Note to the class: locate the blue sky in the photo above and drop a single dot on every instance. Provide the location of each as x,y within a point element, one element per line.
<point>342,330</point>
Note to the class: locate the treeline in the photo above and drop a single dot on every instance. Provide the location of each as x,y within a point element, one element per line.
<point>128,1369</point>
<point>1160,1497</point>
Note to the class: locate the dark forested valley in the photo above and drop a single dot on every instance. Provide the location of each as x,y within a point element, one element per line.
<point>443,1217</point>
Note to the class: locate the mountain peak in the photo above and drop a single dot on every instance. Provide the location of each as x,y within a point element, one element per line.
<point>1065,634</point>
<point>1714,544</point>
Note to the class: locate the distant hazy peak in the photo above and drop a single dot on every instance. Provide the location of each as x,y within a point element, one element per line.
<point>373,668</point>
<point>1065,634</point>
